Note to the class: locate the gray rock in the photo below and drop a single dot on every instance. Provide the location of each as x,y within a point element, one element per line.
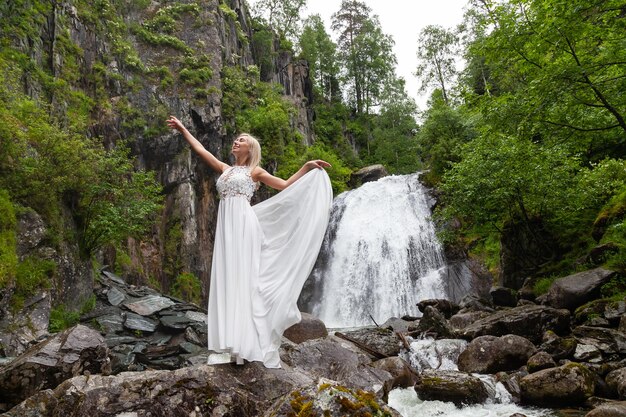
<point>612,409</point>
<point>606,340</point>
<point>457,387</point>
<point>110,323</point>
<point>540,361</point>
<point>558,347</point>
<point>197,316</point>
<point>115,296</point>
<point>383,341</point>
<point>308,328</point>
<point>577,289</point>
<point>149,304</point>
<point>335,359</point>
<point>463,319</point>
<point>137,322</point>
<point>587,353</point>
<point>446,307</point>
<point>175,322</point>
<point>402,374</point>
<point>434,322</point>
<point>566,385</point>
<point>73,352</point>
<point>616,380</point>
<point>21,330</point>
<point>368,174</point>
<point>529,321</point>
<point>491,354</point>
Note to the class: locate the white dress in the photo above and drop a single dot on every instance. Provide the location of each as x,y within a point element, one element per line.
<point>261,258</point>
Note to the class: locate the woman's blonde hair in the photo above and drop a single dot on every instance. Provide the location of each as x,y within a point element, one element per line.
<point>254,155</point>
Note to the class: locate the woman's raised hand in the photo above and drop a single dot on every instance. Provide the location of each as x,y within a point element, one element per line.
<point>317,163</point>
<point>174,123</point>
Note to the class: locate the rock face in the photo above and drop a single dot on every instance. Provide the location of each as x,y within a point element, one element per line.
<point>575,290</point>
<point>77,351</point>
<point>529,321</point>
<point>566,385</point>
<point>491,354</point>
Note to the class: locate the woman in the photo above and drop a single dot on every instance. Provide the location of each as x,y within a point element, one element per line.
<point>263,254</point>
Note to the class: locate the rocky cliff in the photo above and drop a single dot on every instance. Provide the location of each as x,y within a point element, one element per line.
<point>139,62</point>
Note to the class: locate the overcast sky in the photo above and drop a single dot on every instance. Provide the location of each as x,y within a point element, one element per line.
<point>403,20</point>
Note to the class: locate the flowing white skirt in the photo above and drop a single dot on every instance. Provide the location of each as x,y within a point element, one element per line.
<point>261,258</point>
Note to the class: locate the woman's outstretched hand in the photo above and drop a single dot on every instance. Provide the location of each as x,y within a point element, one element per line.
<point>174,123</point>
<point>317,163</point>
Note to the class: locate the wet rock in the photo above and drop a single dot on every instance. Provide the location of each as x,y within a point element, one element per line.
<point>308,328</point>
<point>457,387</point>
<point>558,347</point>
<point>379,340</point>
<point>400,324</point>
<point>403,375</point>
<point>335,359</point>
<point>463,319</point>
<point>433,322</point>
<point>150,304</point>
<point>540,361</point>
<point>473,302</point>
<point>491,354</point>
<point>616,380</point>
<point>566,385</point>
<point>511,383</point>
<point>368,174</point>
<point>446,307</point>
<point>75,351</point>
<point>612,409</point>
<point>502,296</point>
<point>606,340</point>
<point>577,289</point>
<point>529,321</point>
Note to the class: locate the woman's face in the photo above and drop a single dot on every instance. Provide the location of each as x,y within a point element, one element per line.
<point>241,147</point>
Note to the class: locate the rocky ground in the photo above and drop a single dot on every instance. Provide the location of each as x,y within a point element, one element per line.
<point>139,353</point>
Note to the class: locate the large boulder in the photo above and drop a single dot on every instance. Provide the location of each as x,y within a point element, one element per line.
<point>433,322</point>
<point>446,307</point>
<point>566,385</point>
<point>403,375</point>
<point>540,361</point>
<point>335,359</point>
<point>380,342</point>
<point>368,174</point>
<point>457,387</point>
<point>76,351</point>
<point>502,296</point>
<point>558,347</point>
<point>577,289</point>
<point>491,354</point>
<point>529,321</point>
<point>616,381</point>
<point>608,341</point>
<point>610,409</point>
<point>309,327</point>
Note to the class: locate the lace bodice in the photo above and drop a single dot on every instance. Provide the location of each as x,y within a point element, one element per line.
<point>236,182</point>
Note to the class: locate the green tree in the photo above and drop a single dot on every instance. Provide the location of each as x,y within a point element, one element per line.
<point>321,53</point>
<point>283,16</point>
<point>437,52</point>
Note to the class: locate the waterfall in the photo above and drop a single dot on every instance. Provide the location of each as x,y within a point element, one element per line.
<point>380,255</point>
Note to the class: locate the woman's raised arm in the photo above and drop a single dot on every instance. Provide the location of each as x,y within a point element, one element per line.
<point>259,174</point>
<point>214,163</point>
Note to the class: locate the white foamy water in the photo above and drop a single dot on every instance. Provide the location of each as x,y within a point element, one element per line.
<point>406,402</point>
<point>381,255</point>
<point>443,354</point>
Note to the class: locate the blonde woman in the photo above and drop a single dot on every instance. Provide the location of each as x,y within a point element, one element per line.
<point>262,254</point>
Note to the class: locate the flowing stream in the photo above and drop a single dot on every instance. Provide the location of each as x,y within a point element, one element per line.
<point>380,255</point>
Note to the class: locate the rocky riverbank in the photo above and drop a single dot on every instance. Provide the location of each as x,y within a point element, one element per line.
<point>140,353</point>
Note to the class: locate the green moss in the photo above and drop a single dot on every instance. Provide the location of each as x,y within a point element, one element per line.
<point>187,287</point>
<point>31,275</point>
<point>8,256</point>
<point>543,285</point>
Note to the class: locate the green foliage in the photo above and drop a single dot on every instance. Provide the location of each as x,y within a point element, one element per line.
<point>32,274</point>
<point>436,54</point>
<point>187,287</point>
<point>61,318</point>
<point>8,257</point>
<point>615,288</point>
<point>542,285</point>
<point>122,203</point>
<point>295,155</point>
